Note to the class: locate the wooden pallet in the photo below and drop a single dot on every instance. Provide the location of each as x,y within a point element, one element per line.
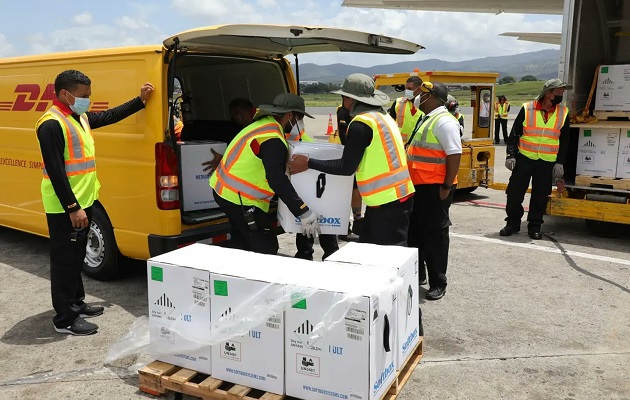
<point>159,377</point>
<point>605,115</point>
<point>614,183</point>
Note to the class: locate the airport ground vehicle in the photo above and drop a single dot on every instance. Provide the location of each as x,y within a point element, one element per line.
<point>139,213</point>
<point>477,164</point>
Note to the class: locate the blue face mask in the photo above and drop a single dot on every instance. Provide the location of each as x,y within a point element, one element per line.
<point>80,106</point>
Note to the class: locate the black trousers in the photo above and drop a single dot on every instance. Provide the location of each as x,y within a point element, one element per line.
<point>262,240</point>
<point>66,264</point>
<point>540,173</point>
<point>429,232</point>
<point>305,246</point>
<point>500,123</point>
<point>387,224</point>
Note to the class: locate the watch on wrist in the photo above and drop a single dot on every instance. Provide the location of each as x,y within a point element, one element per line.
<point>447,187</point>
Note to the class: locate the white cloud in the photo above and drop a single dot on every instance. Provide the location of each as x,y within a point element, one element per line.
<point>83,19</point>
<point>6,48</point>
<point>267,3</point>
<point>215,9</point>
<point>132,23</point>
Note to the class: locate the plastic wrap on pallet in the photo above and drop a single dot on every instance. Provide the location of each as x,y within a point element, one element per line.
<point>288,282</point>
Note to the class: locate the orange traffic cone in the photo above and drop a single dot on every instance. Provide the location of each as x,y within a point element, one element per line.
<point>330,129</point>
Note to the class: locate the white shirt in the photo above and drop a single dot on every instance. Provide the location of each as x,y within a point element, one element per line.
<point>446,131</point>
<point>484,110</point>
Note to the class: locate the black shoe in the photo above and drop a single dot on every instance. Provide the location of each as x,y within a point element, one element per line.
<point>423,281</point>
<point>79,327</point>
<point>509,230</point>
<point>496,142</point>
<point>436,293</point>
<point>535,235</point>
<point>91,311</point>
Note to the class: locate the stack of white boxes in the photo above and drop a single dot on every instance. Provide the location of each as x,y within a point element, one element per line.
<point>328,330</point>
<point>597,152</point>
<point>327,195</point>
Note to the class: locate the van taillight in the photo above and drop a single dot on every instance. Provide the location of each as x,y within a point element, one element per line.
<point>166,176</point>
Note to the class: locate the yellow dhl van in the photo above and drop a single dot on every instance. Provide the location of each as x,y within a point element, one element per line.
<point>138,214</point>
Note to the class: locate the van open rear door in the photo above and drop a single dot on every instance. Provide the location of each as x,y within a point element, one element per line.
<point>281,40</point>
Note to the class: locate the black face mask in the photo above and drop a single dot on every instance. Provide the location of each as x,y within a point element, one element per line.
<point>556,100</point>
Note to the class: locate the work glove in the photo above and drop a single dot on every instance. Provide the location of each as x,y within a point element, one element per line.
<point>510,163</point>
<point>558,172</point>
<point>310,227</point>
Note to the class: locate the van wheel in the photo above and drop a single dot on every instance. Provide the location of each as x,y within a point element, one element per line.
<point>604,229</point>
<point>101,257</point>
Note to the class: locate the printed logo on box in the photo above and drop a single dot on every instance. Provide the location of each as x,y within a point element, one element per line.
<point>383,377</point>
<point>231,350</point>
<point>307,365</point>
<point>588,160</point>
<point>325,221</point>
<point>588,143</point>
<point>163,308</point>
<point>165,335</point>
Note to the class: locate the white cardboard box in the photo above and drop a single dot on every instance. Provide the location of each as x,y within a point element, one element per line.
<point>597,152</point>
<point>345,358</point>
<point>255,360</point>
<point>405,261</point>
<point>613,88</point>
<point>179,310</point>
<point>196,191</point>
<point>327,195</point>
<point>623,159</point>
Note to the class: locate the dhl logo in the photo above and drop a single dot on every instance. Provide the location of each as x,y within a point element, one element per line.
<point>31,98</point>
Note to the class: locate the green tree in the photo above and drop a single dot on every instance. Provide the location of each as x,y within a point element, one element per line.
<point>506,79</point>
<point>529,78</point>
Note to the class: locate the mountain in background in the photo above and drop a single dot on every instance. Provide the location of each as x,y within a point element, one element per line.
<point>542,64</point>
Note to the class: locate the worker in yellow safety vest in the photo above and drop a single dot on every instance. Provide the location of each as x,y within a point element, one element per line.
<point>375,151</point>
<point>404,112</point>
<point>501,113</point>
<point>70,190</point>
<point>252,172</point>
<point>434,154</point>
<point>452,105</point>
<point>536,151</point>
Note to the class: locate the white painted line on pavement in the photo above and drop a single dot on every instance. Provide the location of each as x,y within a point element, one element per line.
<point>554,250</point>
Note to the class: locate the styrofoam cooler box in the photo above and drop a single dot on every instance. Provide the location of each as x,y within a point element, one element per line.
<point>598,151</point>
<point>405,261</point>
<point>351,357</point>
<point>179,310</point>
<point>327,195</point>
<point>196,191</point>
<point>256,359</point>
<point>613,88</point>
<point>623,159</point>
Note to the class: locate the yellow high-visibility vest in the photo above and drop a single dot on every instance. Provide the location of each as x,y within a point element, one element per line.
<point>80,164</point>
<point>405,120</point>
<point>383,176</point>
<point>241,171</point>
<point>541,140</point>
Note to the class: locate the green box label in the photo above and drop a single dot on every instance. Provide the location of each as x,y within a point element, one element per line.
<point>587,132</point>
<point>604,70</point>
<point>628,133</point>
<point>300,304</point>
<point>220,288</point>
<point>157,274</point>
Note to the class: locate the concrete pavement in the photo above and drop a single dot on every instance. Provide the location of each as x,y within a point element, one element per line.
<point>521,319</point>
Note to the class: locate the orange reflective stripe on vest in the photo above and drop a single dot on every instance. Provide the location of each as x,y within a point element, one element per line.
<point>77,163</point>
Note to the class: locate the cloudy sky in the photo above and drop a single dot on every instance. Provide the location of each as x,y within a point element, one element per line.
<point>37,27</point>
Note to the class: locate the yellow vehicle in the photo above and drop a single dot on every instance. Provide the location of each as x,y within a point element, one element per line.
<point>139,213</point>
<point>477,164</point>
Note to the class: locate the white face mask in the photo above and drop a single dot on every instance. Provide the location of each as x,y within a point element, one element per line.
<point>409,94</point>
<point>417,103</point>
<point>297,129</point>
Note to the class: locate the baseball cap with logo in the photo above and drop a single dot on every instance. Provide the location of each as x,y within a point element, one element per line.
<point>552,84</point>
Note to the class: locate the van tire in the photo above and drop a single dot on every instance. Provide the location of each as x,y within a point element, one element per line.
<point>609,230</point>
<point>102,257</point>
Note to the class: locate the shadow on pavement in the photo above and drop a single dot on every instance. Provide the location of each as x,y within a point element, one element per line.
<point>30,254</point>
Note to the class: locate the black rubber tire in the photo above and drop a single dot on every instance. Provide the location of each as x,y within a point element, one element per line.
<point>465,191</point>
<point>604,229</point>
<point>102,257</point>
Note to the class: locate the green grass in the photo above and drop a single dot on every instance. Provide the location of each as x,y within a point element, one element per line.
<point>516,93</point>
